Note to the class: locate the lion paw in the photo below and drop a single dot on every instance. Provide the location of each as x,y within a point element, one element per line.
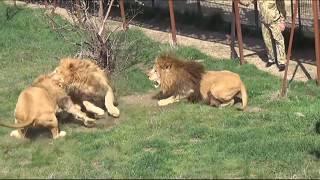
<point>16,134</point>
<point>115,112</point>
<point>227,104</point>
<point>62,134</point>
<point>100,113</point>
<point>89,122</point>
<point>162,103</point>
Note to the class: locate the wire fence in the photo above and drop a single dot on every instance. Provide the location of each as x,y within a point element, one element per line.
<point>248,14</point>
<point>208,8</point>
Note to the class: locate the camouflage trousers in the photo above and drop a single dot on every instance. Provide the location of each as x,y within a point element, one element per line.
<point>274,42</point>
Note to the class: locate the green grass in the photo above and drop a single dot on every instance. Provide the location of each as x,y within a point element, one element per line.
<point>182,140</point>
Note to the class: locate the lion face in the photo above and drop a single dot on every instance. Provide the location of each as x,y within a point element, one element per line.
<point>162,74</point>
<point>175,76</point>
<point>154,76</point>
<point>57,77</point>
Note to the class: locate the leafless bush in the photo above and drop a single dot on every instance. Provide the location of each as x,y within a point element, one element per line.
<point>96,39</point>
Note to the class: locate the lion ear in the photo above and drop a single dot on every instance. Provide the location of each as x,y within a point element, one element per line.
<point>71,66</point>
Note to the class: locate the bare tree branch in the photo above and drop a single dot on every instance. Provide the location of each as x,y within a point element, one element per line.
<point>105,18</point>
<point>95,39</point>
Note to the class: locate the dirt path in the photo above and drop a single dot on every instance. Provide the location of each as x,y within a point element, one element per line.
<point>214,49</point>
<point>222,51</point>
<point>144,100</point>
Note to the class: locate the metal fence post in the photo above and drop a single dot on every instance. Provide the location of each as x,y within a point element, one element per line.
<point>299,15</point>
<point>285,80</point>
<point>291,10</point>
<point>256,15</point>
<point>315,9</point>
<point>173,23</point>
<point>239,32</point>
<point>123,15</point>
<point>233,54</point>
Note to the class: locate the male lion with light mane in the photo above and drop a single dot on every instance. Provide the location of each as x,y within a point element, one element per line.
<point>88,85</point>
<point>179,79</point>
<point>37,106</point>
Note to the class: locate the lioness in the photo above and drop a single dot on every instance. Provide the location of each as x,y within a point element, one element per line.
<point>179,79</point>
<point>87,85</point>
<point>37,106</point>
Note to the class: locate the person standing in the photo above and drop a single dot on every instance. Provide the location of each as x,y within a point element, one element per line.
<point>272,15</point>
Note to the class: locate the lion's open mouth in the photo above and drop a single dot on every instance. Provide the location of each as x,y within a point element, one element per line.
<point>156,84</point>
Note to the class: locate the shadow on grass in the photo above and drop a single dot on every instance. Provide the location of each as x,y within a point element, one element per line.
<point>34,133</point>
<point>67,121</point>
<point>11,11</point>
<point>317,127</point>
<point>315,153</point>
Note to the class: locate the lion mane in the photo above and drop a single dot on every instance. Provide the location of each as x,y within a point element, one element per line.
<point>82,75</point>
<point>84,80</point>
<point>179,77</point>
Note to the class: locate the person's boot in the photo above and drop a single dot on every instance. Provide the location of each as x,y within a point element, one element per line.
<point>281,67</point>
<point>270,62</point>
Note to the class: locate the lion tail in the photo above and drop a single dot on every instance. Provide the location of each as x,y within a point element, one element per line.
<point>19,125</point>
<point>244,96</point>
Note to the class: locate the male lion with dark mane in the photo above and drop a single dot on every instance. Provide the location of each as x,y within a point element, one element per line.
<point>179,79</point>
<point>88,85</point>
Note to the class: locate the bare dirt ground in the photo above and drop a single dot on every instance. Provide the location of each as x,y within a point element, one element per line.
<point>144,100</point>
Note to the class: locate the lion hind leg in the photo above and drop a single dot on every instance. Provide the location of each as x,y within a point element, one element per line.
<point>223,95</point>
<point>18,133</point>
<point>50,122</point>
<point>109,100</point>
<point>56,134</point>
<point>92,108</point>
